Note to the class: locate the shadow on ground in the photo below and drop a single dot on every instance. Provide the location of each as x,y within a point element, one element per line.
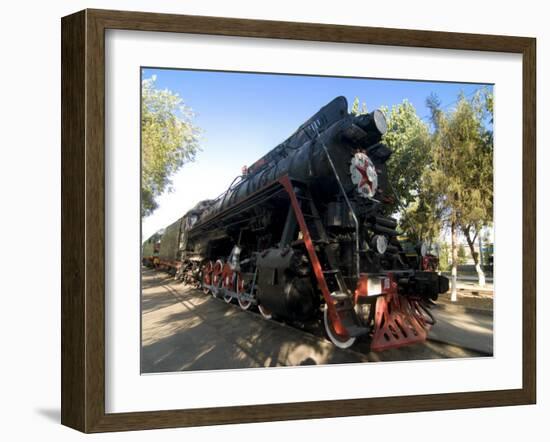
<point>51,414</point>
<point>183,329</point>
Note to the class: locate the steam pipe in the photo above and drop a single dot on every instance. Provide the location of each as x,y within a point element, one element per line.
<point>350,207</point>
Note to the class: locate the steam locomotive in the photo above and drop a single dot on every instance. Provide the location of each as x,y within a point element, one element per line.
<point>302,235</point>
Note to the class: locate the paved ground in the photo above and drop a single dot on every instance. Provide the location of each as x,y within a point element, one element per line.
<point>466,327</point>
<point>470,283</point>
<point>468,277</point>
<point>473,286</point>
<point>183,329</point>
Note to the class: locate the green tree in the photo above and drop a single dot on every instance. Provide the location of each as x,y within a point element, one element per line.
<point>461,174</point>
<point>461,254</point>
<point>444,257</point>
<point>169,139</point>
<point>355,110</point>
<point>479,212</point>
<point>409,139</point>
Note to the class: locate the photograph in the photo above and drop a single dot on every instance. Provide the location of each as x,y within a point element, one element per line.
<point>302,220</point>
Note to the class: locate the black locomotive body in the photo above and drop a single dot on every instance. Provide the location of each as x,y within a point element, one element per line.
<point>302,235</point>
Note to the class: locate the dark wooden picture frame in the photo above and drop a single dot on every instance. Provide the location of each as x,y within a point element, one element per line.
<point>83,220</point>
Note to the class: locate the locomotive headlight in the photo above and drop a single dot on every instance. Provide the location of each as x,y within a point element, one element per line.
<point>381,244</point>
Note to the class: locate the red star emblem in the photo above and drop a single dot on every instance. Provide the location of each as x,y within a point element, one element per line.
<point>364,177</point>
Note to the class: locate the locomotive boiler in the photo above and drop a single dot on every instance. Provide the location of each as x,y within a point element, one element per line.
<point>303,235</point>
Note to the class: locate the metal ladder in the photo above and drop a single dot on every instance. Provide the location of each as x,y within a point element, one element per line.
<point>342,300</point>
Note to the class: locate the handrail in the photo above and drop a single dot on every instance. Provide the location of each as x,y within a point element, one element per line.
<point>350,207</point>
<point>231,187</point>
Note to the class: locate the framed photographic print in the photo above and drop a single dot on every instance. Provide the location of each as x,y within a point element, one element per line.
<point>270,220</point>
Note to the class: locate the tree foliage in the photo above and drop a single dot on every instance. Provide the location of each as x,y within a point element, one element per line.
<point>461,253</point>
<point>444,257</point>
<point>442,176</point>
<point>409,139</point>
<point>356,110</point>
<point>461,173</point>
<point>169,139</point>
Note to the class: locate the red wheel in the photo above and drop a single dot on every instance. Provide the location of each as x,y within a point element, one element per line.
<point>217,277</point>
<point>227,282</point>
<point>207,277</point>
<point>243,303</point>
<point>339,340</point>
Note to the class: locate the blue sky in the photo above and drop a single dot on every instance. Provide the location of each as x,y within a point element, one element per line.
<point>243,115</point>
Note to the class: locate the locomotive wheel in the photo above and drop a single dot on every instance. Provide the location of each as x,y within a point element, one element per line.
<point>227,298</point>
<point>206,278</point>
<point>244,304</point>
<point>266,313</point>
<point>217,276</point>
<point>338,340</point>
<point>227,282</point>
